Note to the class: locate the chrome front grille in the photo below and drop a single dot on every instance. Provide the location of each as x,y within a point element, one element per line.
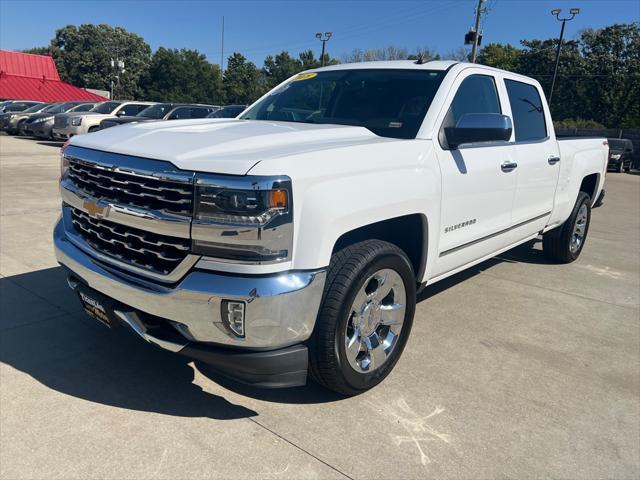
<point>150,251</point>
<point>131,188</point>
<point>60,122</point>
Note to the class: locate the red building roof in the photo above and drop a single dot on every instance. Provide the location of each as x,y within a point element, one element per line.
<point>28,65</point>
<point>24,76</point>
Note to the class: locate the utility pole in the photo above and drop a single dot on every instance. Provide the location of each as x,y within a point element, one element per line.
<point>476,37</point>
<point>222,50</point>
<point>556,13</point>
<point>325,39</point>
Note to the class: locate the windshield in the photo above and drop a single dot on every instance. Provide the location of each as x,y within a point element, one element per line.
<point>156,111</point>
<point>106,107</point>
<point>390,103</point>
<point>19,107</point>
<point>59,108</point>
<point>616,144</point>
<point>226,112</point>
<point>36,108</point>
<point>84,107</point>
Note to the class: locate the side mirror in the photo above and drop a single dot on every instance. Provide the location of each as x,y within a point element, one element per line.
<point>121,113</point>
<point>478,128</point>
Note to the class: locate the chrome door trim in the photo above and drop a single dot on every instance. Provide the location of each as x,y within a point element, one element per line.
<point>492,235</point>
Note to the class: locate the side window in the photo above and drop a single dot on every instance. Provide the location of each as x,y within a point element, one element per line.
<point>527,110</point>
<point>179,113</point>
<point>476,94</point>
<point>199,112</point>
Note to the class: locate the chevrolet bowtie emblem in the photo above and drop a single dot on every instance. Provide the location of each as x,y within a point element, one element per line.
<point>93,209</point>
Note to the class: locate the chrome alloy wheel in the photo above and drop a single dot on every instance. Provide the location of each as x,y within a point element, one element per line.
<point>579,229</point>
<point>375,321</point>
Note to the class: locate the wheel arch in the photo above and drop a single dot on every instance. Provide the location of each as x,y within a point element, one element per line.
<point>410,233</point>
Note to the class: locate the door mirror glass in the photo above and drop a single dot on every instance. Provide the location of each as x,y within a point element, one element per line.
<point>478,128</point>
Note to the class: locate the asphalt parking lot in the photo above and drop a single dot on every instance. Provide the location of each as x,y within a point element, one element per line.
<point>517,368</point>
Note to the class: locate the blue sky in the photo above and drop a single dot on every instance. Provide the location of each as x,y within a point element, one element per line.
<point>259,28</point>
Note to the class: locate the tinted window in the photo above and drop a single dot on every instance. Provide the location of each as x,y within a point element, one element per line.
<point>227,112</point>
<point>83,108</point>
<point>476,94</point>
<point>106,107</point>
<point>132,109</point>
<point>24,106</point>
<point>156,111</point>
<point>527,111</point>
<point>200,112</point>
<point>390,103</point>
<point>179,113</point>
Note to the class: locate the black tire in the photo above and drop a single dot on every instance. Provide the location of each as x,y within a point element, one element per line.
<point>20,128</point>
<point>619,168</point>
<point>348,270</point>
<point>95,128</point>
<point>556,243</point>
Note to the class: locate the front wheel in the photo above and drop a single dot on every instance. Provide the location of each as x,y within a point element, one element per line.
<point>365,317</point>
<point>565,243</point>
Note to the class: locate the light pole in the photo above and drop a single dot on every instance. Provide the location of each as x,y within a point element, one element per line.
<point>117,66</point>
<point>556,13</point>
<point>325,39</point>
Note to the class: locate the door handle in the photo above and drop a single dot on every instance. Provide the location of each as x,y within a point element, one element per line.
<point>553,160</point>
<point>508,166</point>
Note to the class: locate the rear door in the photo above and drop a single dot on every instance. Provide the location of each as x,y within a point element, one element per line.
<point>537,156</point>
<point>478,182</point>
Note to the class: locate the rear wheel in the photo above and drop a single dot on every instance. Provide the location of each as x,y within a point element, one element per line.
<point>365,317</point>
<point>95,128</point>
<point>565,243</point>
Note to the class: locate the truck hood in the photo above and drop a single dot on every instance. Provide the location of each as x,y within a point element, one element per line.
<point>228,146</point>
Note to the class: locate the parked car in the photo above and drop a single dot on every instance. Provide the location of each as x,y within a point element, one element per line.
<point>294,238</point>
<point>67,125</point>
<point>161,111</point>
<point>16,105</point>
<point>41,124</point>
<point>228,111</point>
<point>12,120</point>
<point>620,154</point>
<point>185,112</point>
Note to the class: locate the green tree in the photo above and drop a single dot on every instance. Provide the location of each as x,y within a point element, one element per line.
<point>242,81</point>
<point>38,50</point>
<point>506,57</point>
<point>83,56</point>
<point>612,80</point>
<point>182,76</point>
<point>277,70</point>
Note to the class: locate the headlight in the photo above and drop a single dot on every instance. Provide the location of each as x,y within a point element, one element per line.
<point>616,156</point>
<point>76,121</point>
<point>239,207</point>
<point>43,119</point>
<point>243,219</point>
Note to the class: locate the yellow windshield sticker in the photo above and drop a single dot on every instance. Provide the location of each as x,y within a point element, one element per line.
<point>304,76</point>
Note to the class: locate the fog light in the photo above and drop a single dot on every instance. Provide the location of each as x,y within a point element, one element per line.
<point>233,316</point>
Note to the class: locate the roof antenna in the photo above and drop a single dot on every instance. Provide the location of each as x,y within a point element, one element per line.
<point>421,59</point>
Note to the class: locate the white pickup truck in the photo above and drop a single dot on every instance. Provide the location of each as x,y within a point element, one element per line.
<point>293,239</point>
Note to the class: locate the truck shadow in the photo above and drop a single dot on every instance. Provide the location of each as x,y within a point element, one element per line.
<point>49,338</point>
<point>45,334</point>
<point>525,253</point>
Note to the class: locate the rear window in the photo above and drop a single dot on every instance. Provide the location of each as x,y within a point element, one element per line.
<point>527,111</point>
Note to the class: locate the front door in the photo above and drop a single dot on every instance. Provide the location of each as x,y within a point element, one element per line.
<point>478,183</point>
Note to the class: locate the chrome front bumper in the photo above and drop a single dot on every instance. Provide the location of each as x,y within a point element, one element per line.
<point>280,309</point>
<point>67,132</point>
